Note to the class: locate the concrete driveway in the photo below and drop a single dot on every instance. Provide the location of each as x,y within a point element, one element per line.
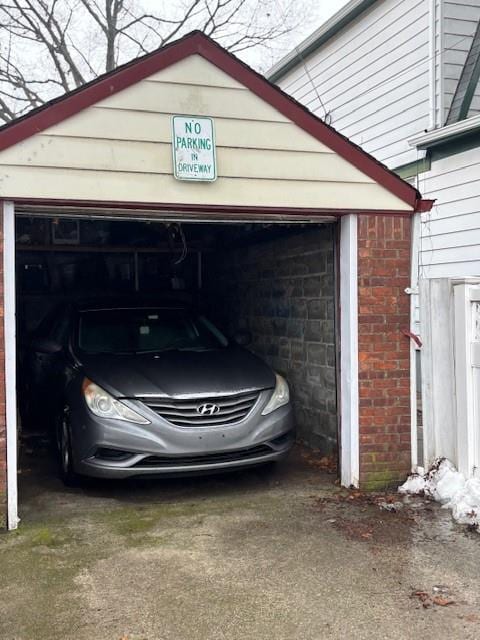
<point>279,554</point>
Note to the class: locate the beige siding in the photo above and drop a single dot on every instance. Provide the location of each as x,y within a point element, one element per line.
<point>217,102</point>
<point>191,70</point>
<point>156,127</point>
<point>143,187</point>
<point>154,157</point>
<point>120,149</point>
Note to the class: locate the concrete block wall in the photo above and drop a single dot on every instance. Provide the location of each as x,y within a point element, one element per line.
<point>384,351</point>
<point>283,291</point>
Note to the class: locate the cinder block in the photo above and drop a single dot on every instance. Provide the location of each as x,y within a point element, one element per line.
<point>283,291</point>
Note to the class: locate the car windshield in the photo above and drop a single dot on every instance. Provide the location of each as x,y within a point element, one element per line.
<point>152,330</point>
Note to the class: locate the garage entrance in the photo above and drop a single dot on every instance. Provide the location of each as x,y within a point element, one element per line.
<point>111,151</point>
<point>271,282</point>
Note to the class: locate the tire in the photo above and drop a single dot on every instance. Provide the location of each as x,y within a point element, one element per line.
<point>65,458</point>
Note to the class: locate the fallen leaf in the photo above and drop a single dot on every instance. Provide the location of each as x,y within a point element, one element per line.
<point>423,597</point>
<point>366,535</point>
<point>441,601</point>
<point>471,617</point>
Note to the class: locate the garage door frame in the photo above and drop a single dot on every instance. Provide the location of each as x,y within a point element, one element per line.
<point>348,331</point>
<point>9,328</point>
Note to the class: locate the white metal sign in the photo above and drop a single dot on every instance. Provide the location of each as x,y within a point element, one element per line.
<point>193,147</point>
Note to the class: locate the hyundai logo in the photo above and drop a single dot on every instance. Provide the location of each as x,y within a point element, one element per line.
<point>208,409</point>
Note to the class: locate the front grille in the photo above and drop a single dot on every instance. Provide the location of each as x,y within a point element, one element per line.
<point>185,413</point>
<point>209,458</point>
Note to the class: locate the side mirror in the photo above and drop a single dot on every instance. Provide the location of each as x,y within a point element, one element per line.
<point>46,345</point>
<point>243,338</point>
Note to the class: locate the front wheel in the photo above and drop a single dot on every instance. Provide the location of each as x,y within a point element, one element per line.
<point>69,477</point>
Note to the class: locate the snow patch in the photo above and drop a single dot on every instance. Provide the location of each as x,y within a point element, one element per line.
<point>448,486</point>
<point>414,484</point>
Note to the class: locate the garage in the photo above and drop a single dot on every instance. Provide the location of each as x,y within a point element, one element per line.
<point>272,284</point>
<point>270,222</point>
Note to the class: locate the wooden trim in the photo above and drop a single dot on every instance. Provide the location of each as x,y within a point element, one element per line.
<point>197,43</point>
<point>10,360</point>
<point>349,394</point>
<point>447,134</point>
<point>337,231</point>
<point>423,206</point>
<point>212,211</point>
<point>414,276</point>
<point>455,145</point>
<point>413,169</point>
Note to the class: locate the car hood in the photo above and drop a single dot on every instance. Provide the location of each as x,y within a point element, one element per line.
<point>179,373</point>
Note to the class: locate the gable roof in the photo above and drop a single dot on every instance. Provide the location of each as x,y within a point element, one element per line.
<point>196,42</point>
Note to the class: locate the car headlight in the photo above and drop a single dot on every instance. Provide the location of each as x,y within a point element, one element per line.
<point>280,396</point>
<point>103,405</point>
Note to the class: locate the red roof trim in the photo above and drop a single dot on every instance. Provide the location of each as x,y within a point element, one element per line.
<point>204,209</point>
<point>196,42</point>
<point>423,206</point>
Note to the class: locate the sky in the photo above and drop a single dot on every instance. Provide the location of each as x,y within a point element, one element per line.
<point>320,12</point>
<point>323,10</point>
<point>87,43</point>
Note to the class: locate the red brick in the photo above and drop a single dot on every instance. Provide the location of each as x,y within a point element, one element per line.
<point>384,353</point>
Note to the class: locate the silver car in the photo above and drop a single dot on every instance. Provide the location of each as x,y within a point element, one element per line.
<point>148,390</point>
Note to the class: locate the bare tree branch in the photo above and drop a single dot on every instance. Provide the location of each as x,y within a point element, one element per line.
<point>52,46</point>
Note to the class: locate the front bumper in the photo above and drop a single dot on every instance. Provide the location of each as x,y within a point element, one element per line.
<point>161,448</point>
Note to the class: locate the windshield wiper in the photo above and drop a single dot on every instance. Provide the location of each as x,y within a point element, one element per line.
<point>137,353</point>
<point>174,349</point>
<point>110,353</point>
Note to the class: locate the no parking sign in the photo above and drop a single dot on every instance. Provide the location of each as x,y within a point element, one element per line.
<point>193,147</point>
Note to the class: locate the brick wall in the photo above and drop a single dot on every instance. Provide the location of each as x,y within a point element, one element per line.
<point>384,352</point>
<point>3,441</point>
<point>282,290</point>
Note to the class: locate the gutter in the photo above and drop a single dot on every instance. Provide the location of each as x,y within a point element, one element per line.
<point>338,21</point>
<point>423,206</point>
<point>446,134</point>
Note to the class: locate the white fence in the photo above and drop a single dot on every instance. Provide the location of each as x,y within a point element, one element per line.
<point>450,328</point>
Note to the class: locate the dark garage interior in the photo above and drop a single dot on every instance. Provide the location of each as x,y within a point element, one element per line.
<point>274,281</point>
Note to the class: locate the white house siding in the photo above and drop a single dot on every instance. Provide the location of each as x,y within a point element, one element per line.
<point>450,233</point>
<point>120,149</point>
<point>373,79</point>
<point>460,20</point>
<point>436,57</point>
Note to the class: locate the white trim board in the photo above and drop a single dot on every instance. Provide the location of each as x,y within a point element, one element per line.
<point>415,235</point>
<point>437,136</point>
<point>349,411</point>
<point>10,361</point>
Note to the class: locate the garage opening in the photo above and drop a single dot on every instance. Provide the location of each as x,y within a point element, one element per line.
<point>273,284</point>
